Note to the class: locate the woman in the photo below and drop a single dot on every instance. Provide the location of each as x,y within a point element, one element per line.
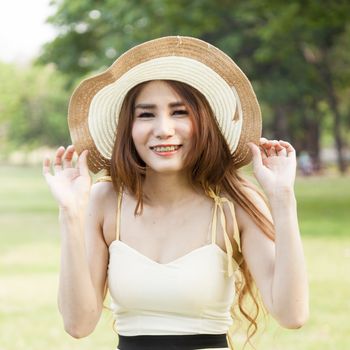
<point>172,223</point>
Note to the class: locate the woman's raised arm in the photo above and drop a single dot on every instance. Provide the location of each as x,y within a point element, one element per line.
<point>84,253</point>
<point>278,268</point>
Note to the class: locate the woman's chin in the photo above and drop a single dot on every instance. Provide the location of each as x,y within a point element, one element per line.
<point>165,169</point>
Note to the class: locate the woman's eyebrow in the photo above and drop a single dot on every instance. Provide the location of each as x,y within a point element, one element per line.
<point>145,106</point>
<point>153,106</point>
<point>176,104</point>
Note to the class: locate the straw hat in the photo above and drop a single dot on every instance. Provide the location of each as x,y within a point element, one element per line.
<point>94,106</point>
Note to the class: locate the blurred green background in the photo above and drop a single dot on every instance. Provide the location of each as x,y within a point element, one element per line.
<point>297,56</point>
<point>29,261</point>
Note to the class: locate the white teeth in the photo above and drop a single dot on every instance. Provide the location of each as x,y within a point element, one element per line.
<point>166,149</point>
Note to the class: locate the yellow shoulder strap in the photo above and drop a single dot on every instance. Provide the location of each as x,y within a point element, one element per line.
<point>117,219</point>
<point>219,201</point>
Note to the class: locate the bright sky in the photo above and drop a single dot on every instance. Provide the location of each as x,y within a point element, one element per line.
<point>23,29</point>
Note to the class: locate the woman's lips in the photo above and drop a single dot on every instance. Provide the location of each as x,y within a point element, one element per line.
<point>165,150</point>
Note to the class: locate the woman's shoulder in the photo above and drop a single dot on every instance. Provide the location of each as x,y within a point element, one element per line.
<point>253,197</point>
<point>102,200</point>
<point>101,191</point>
<point>251,193</point>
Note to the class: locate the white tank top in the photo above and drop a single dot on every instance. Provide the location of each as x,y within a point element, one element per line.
<point>192,294</point>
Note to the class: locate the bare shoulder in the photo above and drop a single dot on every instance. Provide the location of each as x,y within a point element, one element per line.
<point>252,235</point>
<point>101,191</point>
<point>244,218</point>
<point>101,194</point>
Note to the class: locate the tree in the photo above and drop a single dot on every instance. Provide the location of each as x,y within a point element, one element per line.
<point>33,107</point>
<point>293,52</point>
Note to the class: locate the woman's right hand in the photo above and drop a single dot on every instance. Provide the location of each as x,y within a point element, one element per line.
<point>70,185</point>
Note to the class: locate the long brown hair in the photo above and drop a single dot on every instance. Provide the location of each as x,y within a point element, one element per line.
<point>209,165</point>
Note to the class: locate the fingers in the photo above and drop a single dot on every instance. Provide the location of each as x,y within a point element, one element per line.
<point>46,167</point>
<point>57,165</point>
<point>63,160</point>
<point>68,156</point>
<point>82,163</point>
<point>288,147</point>
<point>263,152</point>
<point>257,154</point>
<point>270,147</point>
<point>46,170</point>
<point>276,148</point>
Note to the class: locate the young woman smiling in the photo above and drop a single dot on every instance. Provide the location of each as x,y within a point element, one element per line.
<point>171,228</point>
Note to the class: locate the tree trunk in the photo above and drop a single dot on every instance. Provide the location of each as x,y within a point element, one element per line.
<point>280,125</point>
<point>313,142</point>
<point>333,105</point>
<point>314,130</point>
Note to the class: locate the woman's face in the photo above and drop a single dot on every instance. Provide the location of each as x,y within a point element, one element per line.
<point>162,127</point>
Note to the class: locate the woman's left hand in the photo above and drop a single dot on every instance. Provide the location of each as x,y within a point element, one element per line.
<point>274,164</point>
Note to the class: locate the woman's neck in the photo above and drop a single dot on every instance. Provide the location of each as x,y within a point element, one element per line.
<point>167,190</point>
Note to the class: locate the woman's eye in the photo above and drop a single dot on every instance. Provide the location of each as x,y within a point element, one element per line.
<point>145,115</point>
<point>180,112</point>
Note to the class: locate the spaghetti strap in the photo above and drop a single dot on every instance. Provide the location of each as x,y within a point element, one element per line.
<point>214,221</point>
<point>219,201</point>
<point>119,204</point>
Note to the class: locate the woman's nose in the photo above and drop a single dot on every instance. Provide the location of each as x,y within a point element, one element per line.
<point>164,127</point>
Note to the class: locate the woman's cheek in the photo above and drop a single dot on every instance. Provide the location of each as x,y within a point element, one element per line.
<point>187,127</point>
<point>138,132</point>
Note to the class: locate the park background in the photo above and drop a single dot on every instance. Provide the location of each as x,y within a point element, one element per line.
<point>297,56</point>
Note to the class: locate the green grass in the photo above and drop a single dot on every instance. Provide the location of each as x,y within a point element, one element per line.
<point>324,206</point>
<point>29,260</point>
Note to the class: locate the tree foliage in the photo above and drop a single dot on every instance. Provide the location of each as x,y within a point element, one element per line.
<point>33,107</point>
<point>296,53</point>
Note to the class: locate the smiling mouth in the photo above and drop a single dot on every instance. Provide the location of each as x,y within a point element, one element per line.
<point>171,148</point>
